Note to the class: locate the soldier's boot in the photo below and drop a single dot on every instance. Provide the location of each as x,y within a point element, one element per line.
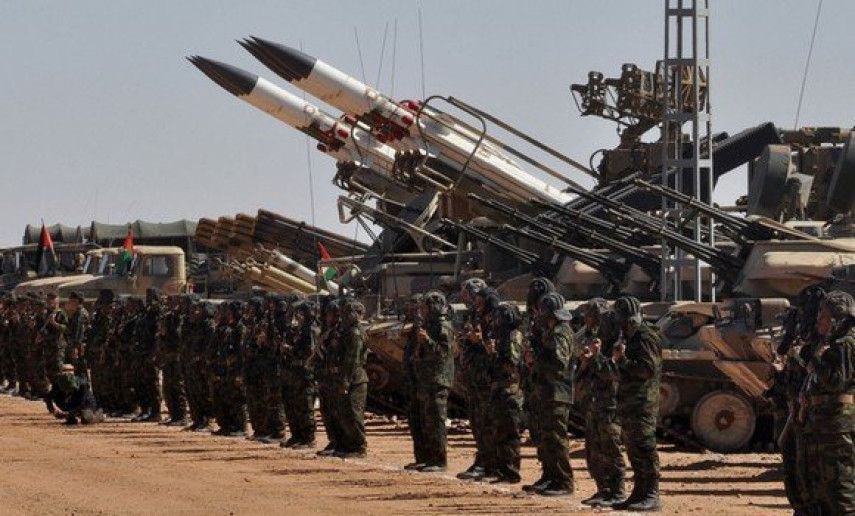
<point>636,495</point>
<point>536,486</point>
<point>649,499</point>
<point>474,472</point>
<point>615,495</point>
<point>290,443</point>
<point>597,498</point>
<point>556,488</point>
<point>329,451</point>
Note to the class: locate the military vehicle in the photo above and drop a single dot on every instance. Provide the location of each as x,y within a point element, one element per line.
<point>95,264</point>
<point>161,267</point>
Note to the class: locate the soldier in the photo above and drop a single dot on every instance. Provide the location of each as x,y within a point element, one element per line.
<point>552,382</point>
<point>596,385</point>
<point>324,367</point>
<point>828,410</point>
<point>259,369</point>
<point>18,344</point>
<point>505,394</point>
<point>78,325</point>
<point>148,384</point>
<point>127,358</point>
<point>351,380</point>
<point>638,359</point>
<point>227,381</point>
<point>7,354</point>
<point>798,345</point>
<point>430,341</point>
<point>413,316</point>
<point>169,359</point>
<point>96,339</point>
<point>536,289</point>
<point>53,339</point>
<point>475,367</point>
<point>197,339</point>
<point>298,382</point>
<point>72,394</point>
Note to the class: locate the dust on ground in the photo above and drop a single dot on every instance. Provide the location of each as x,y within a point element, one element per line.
<point>120,467</point>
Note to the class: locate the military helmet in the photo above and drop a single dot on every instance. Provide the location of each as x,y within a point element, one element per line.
<point>552,303</point>
<point>352,310</point>
<point>537,288</point>
<point>491,298</point>
<point>840,305</point>
<point>473,285</point>
<point>597,306</point>
<point>436,303</point>
<point>628,308</point>
<point>507,316</point>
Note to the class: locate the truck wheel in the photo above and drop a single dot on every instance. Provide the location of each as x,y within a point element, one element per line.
<point>723,421</point>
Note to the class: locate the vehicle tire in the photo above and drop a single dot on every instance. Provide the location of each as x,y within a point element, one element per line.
<point>723,421</point>
<point>669,399</point>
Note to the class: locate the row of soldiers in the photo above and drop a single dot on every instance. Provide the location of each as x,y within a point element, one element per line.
<point>262,362</point>
<point>814,393</point>
<point>513,365</point>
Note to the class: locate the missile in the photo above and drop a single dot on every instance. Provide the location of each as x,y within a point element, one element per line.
<point>437,134</point>
<point>342,139</point>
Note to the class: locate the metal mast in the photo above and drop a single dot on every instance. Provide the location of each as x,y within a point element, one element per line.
<point>684,70</point>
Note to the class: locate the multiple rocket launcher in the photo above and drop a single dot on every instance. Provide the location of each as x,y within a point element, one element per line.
<point>375,133</point>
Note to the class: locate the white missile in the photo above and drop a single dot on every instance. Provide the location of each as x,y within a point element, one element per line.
<point>437,134</point>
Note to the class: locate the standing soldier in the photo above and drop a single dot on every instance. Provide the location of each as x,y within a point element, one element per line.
<point>53,338</point>
<point>553,385</point>
<point>169,357</point>
<point>828,410</point>
<point>197,338</point>
<point>227,383</point>
<point>413,317</point>
<point>324,367</point>
<point>128,357</point>
<point>78,324</point>
<point>536,289</point>
<point>433,367</point>
<point>351,380</point>
<point>297,375</point>
<point>596,383</point>
<point>7,357</point>
<point>475,367</point>
<point>259,368</point>
<point>148,384</point>
<point>96,338</point>
<point>505,394</point>
<point>638,359</point>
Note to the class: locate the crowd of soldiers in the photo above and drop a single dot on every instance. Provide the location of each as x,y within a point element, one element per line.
<point>267,360</point>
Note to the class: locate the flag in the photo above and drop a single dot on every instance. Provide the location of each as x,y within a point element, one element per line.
<point>329,273</point>
<point>126,256</point>
<point>45,254</point>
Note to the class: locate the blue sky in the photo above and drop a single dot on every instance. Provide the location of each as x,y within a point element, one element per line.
<point>101,116</point>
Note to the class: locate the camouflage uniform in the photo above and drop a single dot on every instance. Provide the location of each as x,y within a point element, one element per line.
<point>227,391</point>
<point>298,380</point>
<point>324,367</point>
<point>537,288</point>
<point>127,364</point>
<point>553,384</point>
<point>53,332</point>
<point>639,371</point>
<point>351,380</point>
<point>414,418</point>
<point>169,358</point>
<point>261,381</point>
<point>148,384</point>
<point>829,414</point>
<point>96,339</point>
<point>197,338</point>
<point>505,394</point>
<point>7,354</point>
<point>433,369</point>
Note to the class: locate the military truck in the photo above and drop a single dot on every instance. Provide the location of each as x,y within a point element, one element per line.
<point>161,267</point>
<point>95,264</point>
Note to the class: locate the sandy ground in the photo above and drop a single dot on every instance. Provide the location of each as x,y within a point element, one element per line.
<point>142,468</point>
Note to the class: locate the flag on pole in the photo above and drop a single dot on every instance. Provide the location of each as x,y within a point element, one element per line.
<point>329,273</point>
<point>45,254</point>
<point>126,256</point>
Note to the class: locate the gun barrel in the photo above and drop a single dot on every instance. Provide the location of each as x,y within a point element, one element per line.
<point>523,255</point>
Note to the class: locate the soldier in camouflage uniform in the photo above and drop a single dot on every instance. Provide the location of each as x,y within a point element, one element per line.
<point>505,394</point>
<point>169,360</point>
<point>96,338</point>
<point>7,354</point>
<point>351,381</point>
<point>638,359</point>
<point>551,376</point>
<point>18,344</point>
<point>324,367</point>
<point>413,316</point>
<point>53,340</point>
<point>828,410</point>
<point>127,358</point>
<point>798,345</point>
<point>297,374</point>
<point>227,389</point>
<point>197,339</point>
<point>475,367</point>
<point>596,388</point>
<point>537,288</point>
<point>147,375</point>
<point>259,370</point>
<point>433,368</point>
<point>78,325</point>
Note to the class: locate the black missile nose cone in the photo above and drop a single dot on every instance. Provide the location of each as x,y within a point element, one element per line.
<point>234,80</point>
<point>288,63</point>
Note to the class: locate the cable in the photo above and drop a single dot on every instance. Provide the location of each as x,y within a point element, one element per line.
<point>807,64</point>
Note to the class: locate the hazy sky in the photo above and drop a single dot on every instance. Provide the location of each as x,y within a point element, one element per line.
<point>101,117</point>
